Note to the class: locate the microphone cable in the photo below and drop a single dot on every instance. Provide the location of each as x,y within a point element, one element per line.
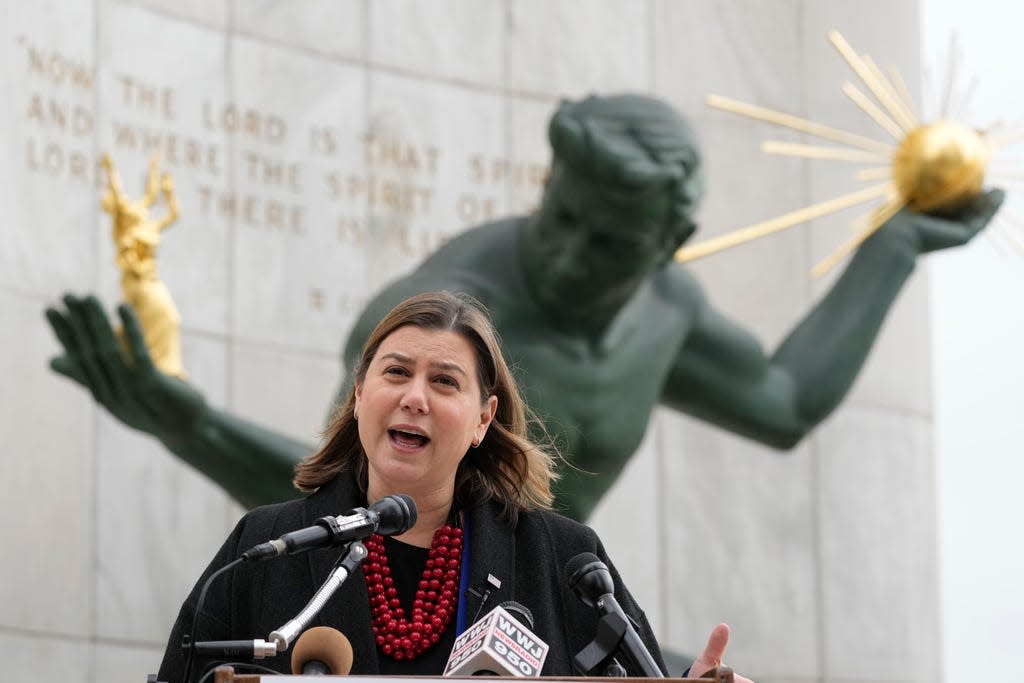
<point>195,616</point>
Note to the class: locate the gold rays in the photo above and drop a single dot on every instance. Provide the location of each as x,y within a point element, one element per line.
<point>1009,230</point>
<point>940,165</point>
<point>808,213</point>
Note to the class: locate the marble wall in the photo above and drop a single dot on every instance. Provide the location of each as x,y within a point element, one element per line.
<point>323,147</point>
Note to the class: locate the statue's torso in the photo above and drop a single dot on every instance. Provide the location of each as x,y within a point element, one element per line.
<point>595,396</point>
<point>598,400</point>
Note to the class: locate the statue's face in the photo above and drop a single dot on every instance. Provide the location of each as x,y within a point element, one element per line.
<point>587,244</point>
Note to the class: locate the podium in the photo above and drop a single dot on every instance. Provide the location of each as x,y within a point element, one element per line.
<point>226,674</point>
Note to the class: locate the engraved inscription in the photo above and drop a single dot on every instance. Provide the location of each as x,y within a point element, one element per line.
<point>244,123</point>
<point>388,152</point>
<point>496,171</point>
<point>152,99</point>
<point>174,149</point>
<point>472,208</point>
<point>271,172</point>
<point>68,117</point>
<point>352,230</point>
<point>376,192</point>
<point>345,303</point>
<point>58,115</point>
<point>383,196</point>
<point>56,160</point>
<point>252,211</point>
<point>55,68</point>
<point>325,141</point>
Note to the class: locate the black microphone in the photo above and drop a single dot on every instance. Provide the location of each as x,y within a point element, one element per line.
<point>500,644</point>
<point>592,583</point>
<point>322,651</point>
<point>519,611</point>
<point>389,516</point>
<point>235,649</point>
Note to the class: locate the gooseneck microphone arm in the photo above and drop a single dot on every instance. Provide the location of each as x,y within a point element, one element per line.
<point>281,639</point>
<point>283,636</point>
<point>592,583</point>
<point>389,516</point>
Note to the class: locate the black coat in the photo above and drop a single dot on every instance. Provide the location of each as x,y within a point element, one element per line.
<point>256,598</point>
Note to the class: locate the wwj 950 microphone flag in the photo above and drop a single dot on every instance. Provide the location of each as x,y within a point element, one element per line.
<point>499,645</point>
<point>590,580</point>
<point>389,516</point>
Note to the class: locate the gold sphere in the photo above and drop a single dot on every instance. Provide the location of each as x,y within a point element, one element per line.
<point>940,167</point>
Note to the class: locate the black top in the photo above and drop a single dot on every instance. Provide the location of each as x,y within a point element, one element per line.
<point>257,598</point>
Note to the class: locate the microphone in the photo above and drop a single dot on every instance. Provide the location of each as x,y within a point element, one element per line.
<point>500,644</point>
<point>389,516</point>
<point>235,649</point>
<point>592,583</point>
<point>322,651</point>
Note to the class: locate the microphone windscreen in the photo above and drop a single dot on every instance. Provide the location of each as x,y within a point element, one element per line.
<point>519,611</point>
<point>573,565</point>
<point>397,514</point>
<point>323,644</point>
<point>588,577</point>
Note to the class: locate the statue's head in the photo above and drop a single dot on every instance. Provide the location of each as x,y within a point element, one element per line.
<point>625,180</point>
<point>630,145</point>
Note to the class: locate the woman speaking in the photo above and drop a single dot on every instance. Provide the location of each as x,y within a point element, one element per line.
<point>435,414</point>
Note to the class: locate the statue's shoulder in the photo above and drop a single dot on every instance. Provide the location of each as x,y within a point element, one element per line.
<point>482,261</point>
<point>675,284</point>
<point>467,249</point>
<point>479,262</point>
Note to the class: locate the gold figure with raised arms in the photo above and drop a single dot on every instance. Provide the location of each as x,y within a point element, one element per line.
<point>136,237</point>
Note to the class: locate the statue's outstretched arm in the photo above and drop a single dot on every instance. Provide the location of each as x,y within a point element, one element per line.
<point>252,463</point>
<point>723,376</point>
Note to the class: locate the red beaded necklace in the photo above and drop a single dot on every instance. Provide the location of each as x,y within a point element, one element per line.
<point>436,600</point>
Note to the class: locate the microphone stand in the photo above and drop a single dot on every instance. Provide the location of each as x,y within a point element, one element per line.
<point>353,557</point>
<point>281,639</point>
<point>615,670</point>
<point>592,583</point>
<point>612,630</point>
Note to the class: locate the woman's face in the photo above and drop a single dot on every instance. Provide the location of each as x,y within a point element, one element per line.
<point>419,411</point>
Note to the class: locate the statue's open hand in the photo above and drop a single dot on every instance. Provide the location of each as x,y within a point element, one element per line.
<point>932,232</point>
<point>123,380</point>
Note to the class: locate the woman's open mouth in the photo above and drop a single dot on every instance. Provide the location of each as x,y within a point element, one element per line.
<point>407,440</point>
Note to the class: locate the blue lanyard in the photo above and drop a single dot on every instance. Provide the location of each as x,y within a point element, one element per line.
<point>460,621</point>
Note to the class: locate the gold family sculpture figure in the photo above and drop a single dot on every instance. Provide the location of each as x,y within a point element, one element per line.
<point>136,237</point>
<point>601,321</point>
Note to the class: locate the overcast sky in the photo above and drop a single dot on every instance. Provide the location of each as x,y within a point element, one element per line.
<point>978,325</point>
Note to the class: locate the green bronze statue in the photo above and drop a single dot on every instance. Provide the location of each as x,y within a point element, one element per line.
<point>601,323</point>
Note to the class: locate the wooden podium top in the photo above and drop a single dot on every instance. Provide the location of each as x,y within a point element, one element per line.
<point>226,674</point>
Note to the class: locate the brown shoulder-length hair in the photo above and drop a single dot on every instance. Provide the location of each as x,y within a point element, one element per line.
<point>507,466</point>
